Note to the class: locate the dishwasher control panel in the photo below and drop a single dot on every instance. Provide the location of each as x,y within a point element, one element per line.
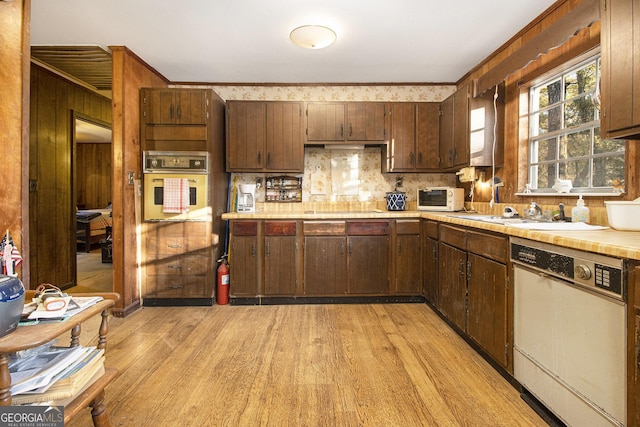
<point>600,273</point>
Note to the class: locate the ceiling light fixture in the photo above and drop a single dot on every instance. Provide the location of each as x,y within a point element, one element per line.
<point>313,36</point>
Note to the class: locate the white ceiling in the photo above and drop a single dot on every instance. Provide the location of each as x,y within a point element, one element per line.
<point>247,41</point>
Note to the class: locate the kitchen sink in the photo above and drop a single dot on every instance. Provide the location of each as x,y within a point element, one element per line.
<point>530,223</point>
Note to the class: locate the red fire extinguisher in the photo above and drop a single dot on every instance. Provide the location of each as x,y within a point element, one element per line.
<point>223,281</point>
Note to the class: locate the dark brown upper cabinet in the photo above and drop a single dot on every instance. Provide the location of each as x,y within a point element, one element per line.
<point>346,122</point>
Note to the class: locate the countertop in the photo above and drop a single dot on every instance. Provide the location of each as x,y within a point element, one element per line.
<point>620,244</point>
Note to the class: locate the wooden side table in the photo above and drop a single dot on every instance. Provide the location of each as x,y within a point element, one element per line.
<point>26,337</point>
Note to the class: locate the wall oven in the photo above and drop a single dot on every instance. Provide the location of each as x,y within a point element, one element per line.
<point>167,174</point>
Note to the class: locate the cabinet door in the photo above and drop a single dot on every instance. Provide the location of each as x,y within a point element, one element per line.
<point>446,133</point>
<point>461,127</point>
<point>620,85</point>
<point>175,106</point>
<point>431,271</point>
<point>280,265</point>
<point>325,265</point>
<point>285,138</point>
<point>427,145</point>
<point>243,266</point>
<point>325,122</point>
<point>408,265</point>
<point>487,287</point>
<point>453,284</point>
<point>368,261</point>
<point>403,136</point>
<point>246,135</point>
<point>365,121</point>
<point>191,107</point>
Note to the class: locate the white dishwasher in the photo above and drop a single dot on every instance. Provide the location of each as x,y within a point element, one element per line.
<point>569,332</point>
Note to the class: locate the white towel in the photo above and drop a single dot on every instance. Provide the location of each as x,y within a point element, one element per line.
<point>175,197</point>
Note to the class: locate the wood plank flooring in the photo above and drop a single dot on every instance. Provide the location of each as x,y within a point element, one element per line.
<point>301,365</point>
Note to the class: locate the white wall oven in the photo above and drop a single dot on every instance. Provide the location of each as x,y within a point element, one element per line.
<point>175,186</point>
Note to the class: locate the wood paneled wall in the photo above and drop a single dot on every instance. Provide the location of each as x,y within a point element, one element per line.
<point>130,74</point>
<point>93,175</point>
<point>52,202</point>
<point>14,116</point>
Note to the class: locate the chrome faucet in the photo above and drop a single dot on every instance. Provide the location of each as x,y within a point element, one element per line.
<point>534,211</point>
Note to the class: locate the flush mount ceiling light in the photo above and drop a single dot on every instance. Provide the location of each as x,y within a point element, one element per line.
<point>313,36</point>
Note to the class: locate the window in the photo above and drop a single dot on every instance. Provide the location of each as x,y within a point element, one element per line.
<point>564,134</point>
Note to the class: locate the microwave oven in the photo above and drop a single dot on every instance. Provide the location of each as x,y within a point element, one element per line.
<point>446,199</point>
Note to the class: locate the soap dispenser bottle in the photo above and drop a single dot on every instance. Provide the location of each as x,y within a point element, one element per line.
<point>580,213</point>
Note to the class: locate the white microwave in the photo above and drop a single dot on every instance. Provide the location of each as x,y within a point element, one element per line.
<point>446,199</point>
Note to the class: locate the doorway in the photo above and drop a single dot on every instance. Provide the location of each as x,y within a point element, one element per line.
<point>92,190</point>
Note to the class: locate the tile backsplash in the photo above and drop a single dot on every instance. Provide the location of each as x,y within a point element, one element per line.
<point>344,176</point>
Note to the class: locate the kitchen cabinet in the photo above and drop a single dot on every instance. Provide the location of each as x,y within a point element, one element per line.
<point>175,119</point>
<point>244,264</point>
<point>280,255</point>
<point>473,291</point>
<point>325,261</point>
<point>487,293</point>
<point>408,257</point>
<point>345,122</point>
<point>265,136</point>
<point>414,143</point>
<point>454,130</point>
<point>633,345</point>
<point>178,263</point>
<point>430,261</point>
<point>175,106</point>
<point>349,257</point>
<point>452,277</point>
<point>368,257</point>
<point>620,62</point>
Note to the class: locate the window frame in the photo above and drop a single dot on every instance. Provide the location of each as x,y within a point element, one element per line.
<point>525,177</point>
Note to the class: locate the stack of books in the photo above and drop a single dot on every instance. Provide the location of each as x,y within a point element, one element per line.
<point>54,374</point>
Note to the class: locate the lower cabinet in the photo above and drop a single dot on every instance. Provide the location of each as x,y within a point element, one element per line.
<point>430,261</point>
<point>408,257</point>
<point>243,262</point>
<point>178,261</point>
<point>368,257</point>
<point>473,291</point>
<point>325,261</point>
<point>280,254</point>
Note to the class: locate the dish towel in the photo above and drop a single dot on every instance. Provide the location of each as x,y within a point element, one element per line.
<point>175,198</point>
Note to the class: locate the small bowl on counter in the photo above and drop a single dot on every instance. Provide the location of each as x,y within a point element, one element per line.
<point>624,215</point>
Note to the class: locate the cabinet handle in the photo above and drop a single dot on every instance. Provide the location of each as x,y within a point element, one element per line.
<point>399,248</point>
<point>350,130</point>
<point>171,111</point>
<point>411,158</point>
<point>268,158</point>
<point>179,113</point>
<point>268,249</point>
<point>420,158</point>
<point>341,248</point>
<point>259,157</point>
<point>174,246</point>
<point>253,250</point>
<point>175,266</point>
<point>341,131</point>
<point>435,254</point>
<point>350,248</point>
<point>176,286</point>
<point>461,268</point>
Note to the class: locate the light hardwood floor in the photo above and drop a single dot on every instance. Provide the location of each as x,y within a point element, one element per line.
<point>301,365</point>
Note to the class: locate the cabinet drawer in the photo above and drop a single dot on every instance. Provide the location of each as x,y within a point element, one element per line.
<point>187,285</point>
<point>324,228</point>
<point>368,228</point>
<point>176,133</point>
<point>432,229</point>
<point>179,265</point>
<point>175,245</point>
<point>280,228</point>
<point>456,237</point>
<point>407,226</point>
<point>244,228</point>
<point>488,245</point>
